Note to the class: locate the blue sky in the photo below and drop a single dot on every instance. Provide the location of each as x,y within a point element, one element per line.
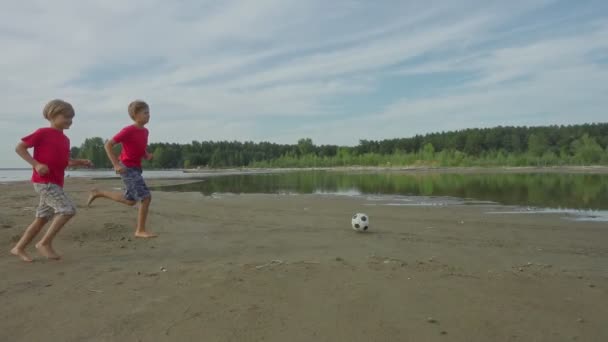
<point>279,70</point>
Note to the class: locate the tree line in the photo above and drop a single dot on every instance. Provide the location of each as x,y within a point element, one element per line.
<point>499,146</point>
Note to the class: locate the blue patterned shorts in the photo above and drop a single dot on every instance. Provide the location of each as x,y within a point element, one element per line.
<point>135,186</point>
<point>53,200</point>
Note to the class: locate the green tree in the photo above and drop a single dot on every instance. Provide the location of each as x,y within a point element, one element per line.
<point>162,157</point>
<point>587,150</point>
<point>473,144</point>
<point>428,151</point>
<point>305,146</point>
<point>537,144</point>
<point>93,149</point>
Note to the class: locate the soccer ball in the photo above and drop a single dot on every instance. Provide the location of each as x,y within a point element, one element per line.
<point>360,222</point>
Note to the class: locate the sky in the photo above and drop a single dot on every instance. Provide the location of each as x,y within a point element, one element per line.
<point>280,70</point>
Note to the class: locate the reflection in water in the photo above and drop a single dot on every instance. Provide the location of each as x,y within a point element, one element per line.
<point>575,191</point>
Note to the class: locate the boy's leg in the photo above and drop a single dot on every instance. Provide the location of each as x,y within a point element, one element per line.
<point>112,195</point>
<point>32,230</point>
<point>137,190</point>
<point>142,215</point>
<point>64,209</point>
<point>45,245</point>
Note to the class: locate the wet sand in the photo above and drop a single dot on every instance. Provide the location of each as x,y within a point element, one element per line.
<point>289,268</point>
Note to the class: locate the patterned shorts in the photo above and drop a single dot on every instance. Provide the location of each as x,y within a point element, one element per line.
<point>53,201</point>
<point>135,187</point>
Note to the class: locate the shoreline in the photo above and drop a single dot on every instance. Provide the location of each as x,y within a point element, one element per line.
<point>418,169</point>
<point>192,175</point>
<point>575,168</point>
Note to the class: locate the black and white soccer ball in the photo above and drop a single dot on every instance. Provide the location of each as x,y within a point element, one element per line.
<point>360,222</point>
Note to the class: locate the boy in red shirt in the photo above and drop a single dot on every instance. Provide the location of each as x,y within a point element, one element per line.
<point>134,140</point>
<point>51,157</point>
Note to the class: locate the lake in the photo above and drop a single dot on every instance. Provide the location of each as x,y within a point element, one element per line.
<point>531,192</point>
<point>550,190</point>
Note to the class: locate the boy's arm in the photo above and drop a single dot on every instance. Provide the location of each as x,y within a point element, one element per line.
<point>80,162</point>
<point>21,150</point>
<point>108,147</point>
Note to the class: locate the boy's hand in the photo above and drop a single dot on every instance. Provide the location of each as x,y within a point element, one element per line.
<point>119,169</point>
<point>86,163</point>
<point>42,169</point>
<point>149,156</point>
<point>80,162</point>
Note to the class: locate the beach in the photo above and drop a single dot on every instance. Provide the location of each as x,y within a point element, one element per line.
<point>261,267</point>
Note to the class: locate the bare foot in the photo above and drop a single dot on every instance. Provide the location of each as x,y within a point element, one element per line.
<point>92,196</point>
<point>21,254</point>
<point>145,235</point>
<point>48,252</point>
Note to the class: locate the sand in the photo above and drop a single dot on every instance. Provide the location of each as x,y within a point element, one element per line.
<point>289,268</point>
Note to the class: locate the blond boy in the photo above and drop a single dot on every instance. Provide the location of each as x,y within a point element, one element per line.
<point>51,157</point>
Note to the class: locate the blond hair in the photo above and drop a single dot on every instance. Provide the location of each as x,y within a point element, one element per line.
<point>136,107</point>
<point>57,107</point>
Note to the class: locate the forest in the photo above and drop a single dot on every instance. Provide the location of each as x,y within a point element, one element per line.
<point>498,146</point>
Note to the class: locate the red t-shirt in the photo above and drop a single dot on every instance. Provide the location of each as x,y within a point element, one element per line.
<point>52,148</point>
<point>134,142</point>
